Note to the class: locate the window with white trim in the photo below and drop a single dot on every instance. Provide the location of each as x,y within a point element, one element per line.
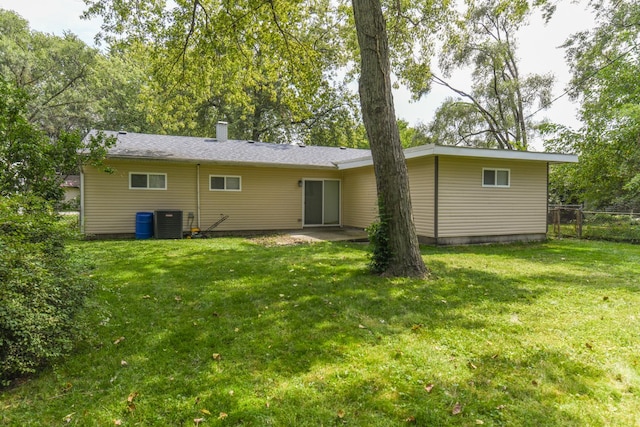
<point>225,183</point>
<point>496,177</point>
<point>147,181</point>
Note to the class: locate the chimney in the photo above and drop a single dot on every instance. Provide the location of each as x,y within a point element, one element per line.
<point>221,131</point>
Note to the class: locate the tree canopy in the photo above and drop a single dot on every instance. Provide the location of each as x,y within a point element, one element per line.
<point>267,68</point>
<point>31,162</point>
<point>606,65</point>
<point>494,113</point>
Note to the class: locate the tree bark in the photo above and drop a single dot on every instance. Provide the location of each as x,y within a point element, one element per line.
<point>379,117</point>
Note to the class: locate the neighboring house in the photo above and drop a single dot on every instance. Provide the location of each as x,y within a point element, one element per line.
<point>71,187</point>
<point>459,195</point>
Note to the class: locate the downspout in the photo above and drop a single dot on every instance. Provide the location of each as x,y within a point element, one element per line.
<point>435,199</point>
<point>81,200</point>
<point>198,192</point>
<point>546,210</point>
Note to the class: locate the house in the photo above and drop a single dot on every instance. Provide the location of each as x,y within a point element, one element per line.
<point>459,195</point>
<point>71,188</point>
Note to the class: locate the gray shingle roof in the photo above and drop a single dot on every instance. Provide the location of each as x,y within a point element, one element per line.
<point>186,148</point>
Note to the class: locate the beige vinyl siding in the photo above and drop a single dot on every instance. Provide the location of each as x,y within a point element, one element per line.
<point>360,206</point>
<point>110,206</point>
<point>270,198</point>
<point>421,181</point>
<point>466,208</point>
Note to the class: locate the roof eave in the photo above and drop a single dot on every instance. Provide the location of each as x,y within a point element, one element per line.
<point>225,162</point>
<point>444,150</point>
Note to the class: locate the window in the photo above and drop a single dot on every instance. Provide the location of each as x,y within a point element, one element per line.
<point>225,183</point>
<point>147,181</point>
<point>496,178</point>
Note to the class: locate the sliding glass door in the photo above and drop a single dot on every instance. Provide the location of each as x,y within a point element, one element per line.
<point>321,202</point>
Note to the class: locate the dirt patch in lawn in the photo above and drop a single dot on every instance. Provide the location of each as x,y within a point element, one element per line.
<point>280,240</point>
<point>299,237</point>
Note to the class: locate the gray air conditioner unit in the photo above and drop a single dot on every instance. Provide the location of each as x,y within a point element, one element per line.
<point>168,225</point>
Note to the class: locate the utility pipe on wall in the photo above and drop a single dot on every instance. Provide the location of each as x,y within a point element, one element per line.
<point>198,192</point>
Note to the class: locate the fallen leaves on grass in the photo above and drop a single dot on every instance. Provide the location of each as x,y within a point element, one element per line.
<point>216,356</point>
<point>197,421</point>
<point>429,387</point>
<point>457,409</point>
<point>117,422</point>
<point>130,405</point>
<point>118,341</point>
<point>340,414</point>
<point>204,411</point>
<point>411,420</point>
<point>67,418</point>
<point>223,415</point>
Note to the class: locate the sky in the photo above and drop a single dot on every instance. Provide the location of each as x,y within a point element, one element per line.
<point>539,52</point>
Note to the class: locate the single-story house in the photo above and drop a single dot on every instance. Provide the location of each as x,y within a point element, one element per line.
<point>459,195</point>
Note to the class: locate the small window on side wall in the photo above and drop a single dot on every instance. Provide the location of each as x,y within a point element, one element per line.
<point>496,178</point>
<point>225,183</point>
<point>147,181</point>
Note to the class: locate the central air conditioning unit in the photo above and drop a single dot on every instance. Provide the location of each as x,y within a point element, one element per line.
<point>168,225</point>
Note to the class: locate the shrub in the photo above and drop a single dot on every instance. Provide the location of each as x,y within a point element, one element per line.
<point>41,289</point>
<point>378,233</point>
<point>620,228</point>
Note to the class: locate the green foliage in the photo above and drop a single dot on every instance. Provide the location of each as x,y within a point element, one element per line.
<point>606,68</point>
<point>617,228</point>
<point>379,235</point>
<point>70,86</point>
<point>55,72</point>
<point>27,159</point>
<point>31,162</point>
<point>41,289</point>
<point>413,136</point>
<point>493,113</point>
<point>269,69</point>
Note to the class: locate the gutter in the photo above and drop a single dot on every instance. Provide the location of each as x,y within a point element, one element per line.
<point>328,166</point>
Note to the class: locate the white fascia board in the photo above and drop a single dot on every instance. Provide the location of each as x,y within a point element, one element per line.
<point>353,164</point>
<point>443,150</point>
<point>486,153</point>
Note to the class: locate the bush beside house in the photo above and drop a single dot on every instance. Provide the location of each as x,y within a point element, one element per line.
<point>41,288</point>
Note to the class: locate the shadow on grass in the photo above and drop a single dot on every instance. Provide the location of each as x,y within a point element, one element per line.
<point>304,336</point>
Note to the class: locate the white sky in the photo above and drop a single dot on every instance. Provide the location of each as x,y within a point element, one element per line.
<point>538,50</point>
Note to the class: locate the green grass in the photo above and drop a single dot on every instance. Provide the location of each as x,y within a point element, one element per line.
<point>538,334</point>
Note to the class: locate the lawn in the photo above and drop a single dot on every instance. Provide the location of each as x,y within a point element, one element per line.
<point>231,332</point>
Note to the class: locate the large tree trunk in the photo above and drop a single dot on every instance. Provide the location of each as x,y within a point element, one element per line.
<point>378,113</point>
